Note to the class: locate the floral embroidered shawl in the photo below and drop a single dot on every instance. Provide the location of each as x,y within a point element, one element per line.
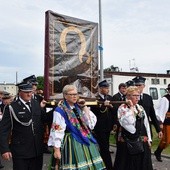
<point>78,130</point>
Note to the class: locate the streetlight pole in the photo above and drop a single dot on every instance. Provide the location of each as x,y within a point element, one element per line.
<point>101,41</point>
<point>16,77</point>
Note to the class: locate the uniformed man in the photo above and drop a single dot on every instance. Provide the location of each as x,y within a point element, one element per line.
<point>105,122</point>
<point>163,115</point>
<point>6,100</point>
<point>129,83</point>
<point>33,80</point>
<point>119,96</point>
<point>147,103</point>
<point>23,118</point>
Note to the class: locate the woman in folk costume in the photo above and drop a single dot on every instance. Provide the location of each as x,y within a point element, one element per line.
<point>74,145</point>
<point>134,127</point>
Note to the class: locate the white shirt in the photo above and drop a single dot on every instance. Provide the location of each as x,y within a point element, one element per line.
<point>57,134</point>
<point>162,109</point>
<point>24,102</point>
<point>101,95</point>
<point>127,119</point>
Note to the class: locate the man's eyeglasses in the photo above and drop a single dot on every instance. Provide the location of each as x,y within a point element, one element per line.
<point>75,94</point>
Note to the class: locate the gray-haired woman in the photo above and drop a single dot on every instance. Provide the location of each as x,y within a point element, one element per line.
<point>70,135</point>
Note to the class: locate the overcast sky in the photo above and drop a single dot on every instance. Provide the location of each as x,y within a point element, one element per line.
<point>136,33</point>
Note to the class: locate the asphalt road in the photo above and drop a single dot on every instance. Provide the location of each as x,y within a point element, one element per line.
<point>165,165</point>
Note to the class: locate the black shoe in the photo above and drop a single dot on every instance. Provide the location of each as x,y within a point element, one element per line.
<point>1,166</point>
<point>158,156</point>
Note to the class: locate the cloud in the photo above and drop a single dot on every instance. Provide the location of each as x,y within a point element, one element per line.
<point>131,29</point>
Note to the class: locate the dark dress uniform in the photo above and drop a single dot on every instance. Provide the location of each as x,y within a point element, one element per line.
<point>104,125</point>
<point>47,124</point>
<point>147,103</point>
<point>117,97</point>
<point>26,127</point>
<point>33,80</point>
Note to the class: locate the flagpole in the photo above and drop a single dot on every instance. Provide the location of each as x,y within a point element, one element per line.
<point>101,41</point>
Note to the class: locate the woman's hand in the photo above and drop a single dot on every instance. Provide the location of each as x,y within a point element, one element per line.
<point>57,153</point>
<point>129,103</point>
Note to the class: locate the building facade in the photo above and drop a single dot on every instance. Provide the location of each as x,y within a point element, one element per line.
<point>9,87</point>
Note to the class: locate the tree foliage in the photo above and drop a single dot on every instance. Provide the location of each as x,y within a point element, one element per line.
<point>40,80</point>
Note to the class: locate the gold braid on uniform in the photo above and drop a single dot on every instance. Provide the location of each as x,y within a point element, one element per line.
<point>103,111</point>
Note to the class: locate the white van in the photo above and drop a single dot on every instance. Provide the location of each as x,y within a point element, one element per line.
<point>156,92</point>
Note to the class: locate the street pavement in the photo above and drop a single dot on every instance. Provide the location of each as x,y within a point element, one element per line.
<point>165,165</point>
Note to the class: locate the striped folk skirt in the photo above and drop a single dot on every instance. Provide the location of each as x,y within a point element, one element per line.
<point>76,156</point>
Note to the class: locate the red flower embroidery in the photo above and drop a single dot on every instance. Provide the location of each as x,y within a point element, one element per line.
<point>56,126</point>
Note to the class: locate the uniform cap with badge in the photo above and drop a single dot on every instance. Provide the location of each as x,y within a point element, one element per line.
<point>6,95</point>
<point>139,80</point>
<point>103,83</point>
<point>130,83</point>
<point>25,86</point>
<point>31,79</point>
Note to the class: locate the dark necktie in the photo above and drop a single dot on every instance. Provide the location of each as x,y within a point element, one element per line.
<point>29,105</point>
<point>123,98</point>
<point>140,100</point>
<point>105,97</point>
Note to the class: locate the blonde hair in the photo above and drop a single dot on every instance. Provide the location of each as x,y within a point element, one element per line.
<point>131,89</point>
<point>68,88</point>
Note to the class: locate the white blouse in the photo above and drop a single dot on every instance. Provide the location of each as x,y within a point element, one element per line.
<point>59,126</point>
<point>127,119</point>
<point>162,109</point>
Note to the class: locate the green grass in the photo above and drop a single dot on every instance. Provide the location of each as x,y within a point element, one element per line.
<point>155,142</point>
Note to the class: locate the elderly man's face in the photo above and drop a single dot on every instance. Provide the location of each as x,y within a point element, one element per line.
<point>104,90</point>
<point>26,96</point>
<point>140,87</point>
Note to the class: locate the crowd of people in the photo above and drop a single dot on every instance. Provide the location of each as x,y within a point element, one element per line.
<point>77,136</point>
